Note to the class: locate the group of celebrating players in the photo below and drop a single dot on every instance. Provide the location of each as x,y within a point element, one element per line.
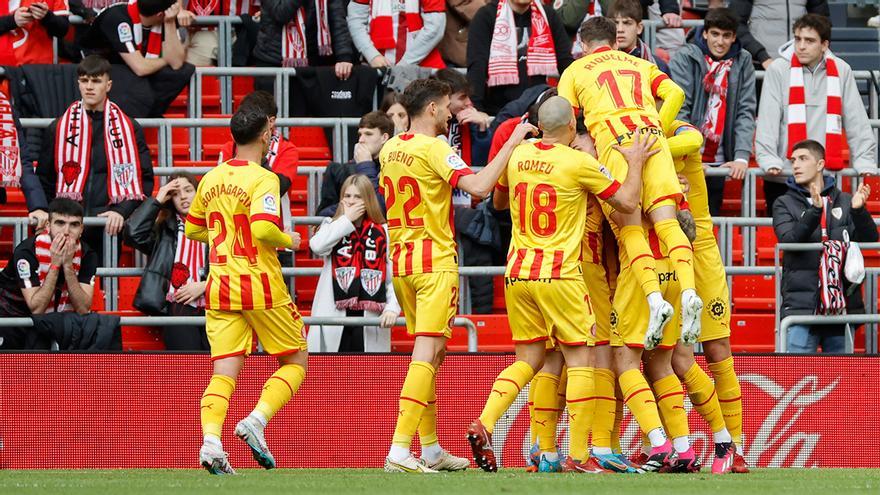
<point>583,317</point>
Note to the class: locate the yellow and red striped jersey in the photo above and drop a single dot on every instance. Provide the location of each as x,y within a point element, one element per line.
<point>245,273</point>
<point>417,176</point>
<point>548,187</point>
<point>592,244</point>
<point>617,93</point>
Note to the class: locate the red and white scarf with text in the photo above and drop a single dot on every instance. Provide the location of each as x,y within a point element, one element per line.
<point>73,153</point>
<point>10,157</point>
<point>154,35</point>
<point>540,54</point>
<point>189,262</point>
<point>832,299</point>
<point>715,84</point>
<point>797,111</point>
<point>294,52</point>
<point>42,244</point>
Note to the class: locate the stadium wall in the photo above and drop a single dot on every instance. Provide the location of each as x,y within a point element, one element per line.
<point>142,410</point>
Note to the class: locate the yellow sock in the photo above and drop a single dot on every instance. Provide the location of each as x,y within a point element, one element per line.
<point>670,402</point>
<point>639,399</point>
<point>606,405</point>
<point>533,437</point>
<point>701,390</point>
<point>546,411</point>
<point>642,262</point>
<point>215,403</point>
<point>414,398</point>
<point>428,423</point>
<point>561,390</point>
<point>618,418</point>
<point>729,396</point>
<point>581,405</point>
<point>504,391</point>
<point>679,250</point>
<point>279,388</point>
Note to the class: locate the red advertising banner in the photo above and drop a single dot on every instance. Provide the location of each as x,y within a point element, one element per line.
<point>142,410</point>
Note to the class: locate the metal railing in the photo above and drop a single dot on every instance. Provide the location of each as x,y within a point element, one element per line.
<point>161,321</point>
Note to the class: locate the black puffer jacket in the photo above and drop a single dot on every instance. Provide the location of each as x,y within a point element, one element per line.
<point>159,243</point>
<point>275,14</point>
<point>796,220</point>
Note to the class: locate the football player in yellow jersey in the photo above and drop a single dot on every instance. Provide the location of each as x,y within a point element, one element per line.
<point>546,186</point>
<point>418,174</point>
<point>236,211</point>
<point>617,93</point>
<point>719,403</point>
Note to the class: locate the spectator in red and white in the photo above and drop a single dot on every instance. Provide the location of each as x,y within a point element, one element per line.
<point>392,32</point>
<point>174,279</point>
<point>282,157</point>
<point>765,24</point>
<point>810,93</point>
<point>627,16</point>
<point>202,42</point>
<point>142,35</point>
<point>305,33</point>
<point>393,108</point>
<point>52,271</point>
<point>13,171</point>
<point>513,45</point>
<point>27,28</point>
<point>97,155</point>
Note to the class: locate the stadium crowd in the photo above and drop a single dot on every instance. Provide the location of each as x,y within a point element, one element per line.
<point>501,60</point>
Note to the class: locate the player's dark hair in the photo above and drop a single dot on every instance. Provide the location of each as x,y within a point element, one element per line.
<point>93,66</point>
<point>722,18</point>
<point>247,123</point>
<point>815,149</point>
<point>457,81</point>
<point>263,100</point>
<point>390,99</point>
<point>816,22</point>
<point>598,30</point>
<point>65,206</point>
<point>377,120</point>
<point>421,92</point>
<point>153,7</point>
<point>627,9</point>
<point>533,108</point>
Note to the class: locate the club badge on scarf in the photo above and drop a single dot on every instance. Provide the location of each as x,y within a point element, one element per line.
<point>797,111</point>
<point>73,154</point>
<point>189,260</point>
<point>10,157</point>
<point>540,54</point>
<point>832,300</point>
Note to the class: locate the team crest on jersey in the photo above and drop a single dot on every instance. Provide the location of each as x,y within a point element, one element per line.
<point>613,318</point>
<point>124,32</point>
<point>371,280</point>
<point>345,276</point>
<point>717,309</point>
<point>24,269</point>
<point>455,162</point>
<point>270,205</point>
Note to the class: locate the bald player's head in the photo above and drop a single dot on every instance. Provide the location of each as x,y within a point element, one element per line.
<point>555,115</point>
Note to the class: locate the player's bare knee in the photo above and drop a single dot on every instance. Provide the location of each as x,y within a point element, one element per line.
<point>717,350</point>
<point>666,212</point>
<point>229,366</point>
<point>682,360</point>
<point>299,358</point>
<point>532,354</point>
<point>658,364</point>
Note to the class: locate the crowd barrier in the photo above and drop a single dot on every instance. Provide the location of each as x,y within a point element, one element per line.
<point>141,410</point>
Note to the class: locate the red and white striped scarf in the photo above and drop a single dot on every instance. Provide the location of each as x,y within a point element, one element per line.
<point>154,39</point>
<point>73,154</point>
<point>541,52</point>
<point>243,7</point>
<point>715,84</point>
<point>797,111</point>
<point>832,299</point>
<point>189,261</point>
<point>10,157</point>
<point>42,244</point>
<point>294,52</point>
